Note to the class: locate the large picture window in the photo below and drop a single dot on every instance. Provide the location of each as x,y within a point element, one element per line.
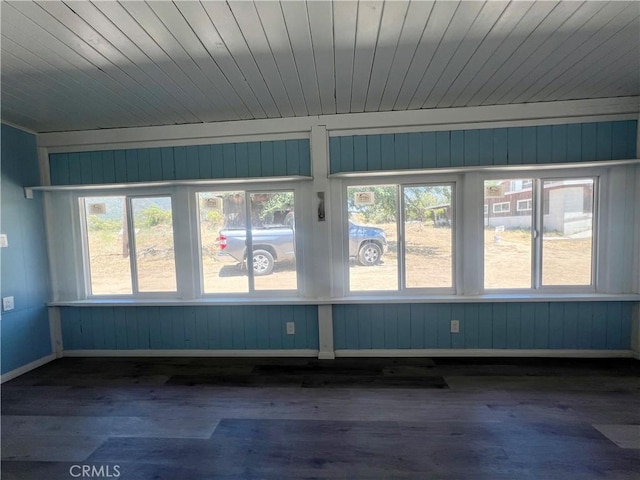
<point>400,237</point>
<point>227,240</point>
<point>547,241</point>
<point>129,244</point>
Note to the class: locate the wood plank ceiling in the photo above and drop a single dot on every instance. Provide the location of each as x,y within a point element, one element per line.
<point>89,65</point>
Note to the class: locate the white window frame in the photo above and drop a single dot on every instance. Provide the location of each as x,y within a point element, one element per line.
<point>508,204</point>
<point>84,263</point>
<point>400,181</point>
<point>248,189</point>
<point>528,202</point>
<point>537,216</point>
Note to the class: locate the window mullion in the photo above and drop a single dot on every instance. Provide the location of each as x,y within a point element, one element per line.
<point>400,215</point>
<point>249,241</point>
<point>538,213</point>
<point>131,245</point>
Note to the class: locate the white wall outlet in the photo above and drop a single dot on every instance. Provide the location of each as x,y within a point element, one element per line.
<point>455,326</point>
<point>4,241</point>
<point>291,328</point>
<point>7,304</point>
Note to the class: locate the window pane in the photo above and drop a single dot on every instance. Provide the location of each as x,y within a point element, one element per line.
<point>373,238</point>
<point>222,241</point>
<point>107,245</point>
<point>153,227</point>
<point>507,233</point>
<point>567,232</point>
<point>273,241</point>
<point>428,236</point>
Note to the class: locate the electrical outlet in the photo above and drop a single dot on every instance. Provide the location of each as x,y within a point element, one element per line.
<point>455,326</point>
<point>291,328</point>
<point>7,304</point>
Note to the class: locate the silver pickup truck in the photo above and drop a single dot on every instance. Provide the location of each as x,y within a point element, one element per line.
<point>275,243</point>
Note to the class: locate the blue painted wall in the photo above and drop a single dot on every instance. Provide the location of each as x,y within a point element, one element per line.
<point>246,327</point>
<point>198,162</point>
<point>24,331</point>
<point>581,142</point>
<point>539,325</point>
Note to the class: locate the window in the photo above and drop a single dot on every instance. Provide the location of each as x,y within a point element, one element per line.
<point>129,244</point>
<point>400,237</point>
<point>503,207</point>
<point>523,205</point>
<point>226,241</point>
<point>562,255</point>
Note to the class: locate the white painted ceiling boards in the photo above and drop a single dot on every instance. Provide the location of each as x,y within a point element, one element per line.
<point>90,65</point>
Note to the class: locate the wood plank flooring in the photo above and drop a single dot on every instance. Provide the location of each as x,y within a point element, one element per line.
<point>194,418</point>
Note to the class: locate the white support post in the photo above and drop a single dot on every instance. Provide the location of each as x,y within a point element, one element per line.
<point>55,328</point>
<point>319,273</point>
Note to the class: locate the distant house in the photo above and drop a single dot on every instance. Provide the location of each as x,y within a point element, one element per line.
<point>568,205</point>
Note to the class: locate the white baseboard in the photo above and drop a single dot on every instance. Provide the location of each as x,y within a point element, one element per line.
<point>481,352</point>
<point>191,353</point>
<point>326,356</point>
<point>26,368</point>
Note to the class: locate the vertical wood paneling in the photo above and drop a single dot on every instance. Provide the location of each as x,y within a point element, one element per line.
<point>374,153</point>
<point>228,160</point>
<point>472,147</point>
<point>388,152</point>
<point>589,141</point>
<point>401,144</point>
<point>485,147</point>
<point>499,325</point>
<point>180,163</point>
<point>429,150</point>
<point>155,163</point>
<point>539,325</point>
<point>570,325</point>
<point>255,160</point>
<point>293,162</point>
<point>193,163</point>
<point>86,172</point>
<point>242,160</point>
<point>415,151</point>
<point>443,149</point>
<point>485,326</point>
<point>144,165</point>
<point>500,146</point>
<point>559,140</point>
<point>360,153</point>
<point>403,315</point>
<point>543,144</point>
<point>418,323</point>
<point>457,148</point>
<point>279,158</point>
<point>514,145</point>
<point>75,175</point>
<point>603,140</point>
<point>574,142</point>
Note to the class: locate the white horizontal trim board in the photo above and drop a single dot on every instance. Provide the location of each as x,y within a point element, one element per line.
<point>426,119</point>
<point>191,353</point>
<point>488,352</point>
<point>27,368</point>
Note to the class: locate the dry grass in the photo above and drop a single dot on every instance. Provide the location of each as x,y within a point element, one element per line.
<point>428,263</point>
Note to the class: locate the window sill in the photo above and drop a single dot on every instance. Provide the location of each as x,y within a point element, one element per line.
<point>359,299</point>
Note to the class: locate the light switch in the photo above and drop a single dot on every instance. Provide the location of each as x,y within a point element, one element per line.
<point>4,241</point>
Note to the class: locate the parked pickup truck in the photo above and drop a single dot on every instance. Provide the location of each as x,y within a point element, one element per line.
<point>275,243</point>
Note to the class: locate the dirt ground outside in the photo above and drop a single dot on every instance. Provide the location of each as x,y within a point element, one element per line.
<point>428,262</point>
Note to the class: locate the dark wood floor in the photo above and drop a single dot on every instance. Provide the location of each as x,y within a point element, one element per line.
<point>346,419</point>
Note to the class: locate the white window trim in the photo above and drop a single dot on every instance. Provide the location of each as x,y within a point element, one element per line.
<point>399,181</point>
<point>528,202</point>
<point>508,204</point>
<point>600,177</point>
